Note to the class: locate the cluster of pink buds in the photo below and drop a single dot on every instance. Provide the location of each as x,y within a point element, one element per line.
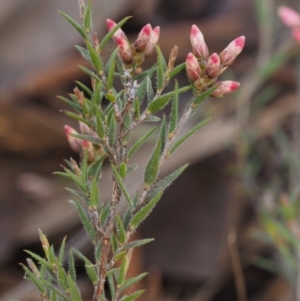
<point>141,49</point>
<point>291,19</point>
<point>203,69</point>
<point>78,145</point>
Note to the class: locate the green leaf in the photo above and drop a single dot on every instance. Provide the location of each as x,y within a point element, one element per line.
<point>109,35</point>
<point>161,101</point>
<point>123,170</point>
<point>152,118</point>
<point>111,65</point>
<point>89,267</point>
<point>119,255</point>
<point>148,72</point>
<point>121,184</point>
<point>151,170</point>
<point>140,216</point>
<point>112,131</point>
<point>83,167</point>
<point>204,95</point>
<point>74,291</point>
<point>123,271</point>
<point>100,125</point>
<point>137,243</point>
<point>73,104</point>
<point>120,230</point>
<point>132,168</point>
<point>62,251</point>
<point>61,277</point>
<point>96,98</point>
<point>72,270</point>
<point>87,20</point>
<point>90,138</point>
<point>98,252</point>
<point>150,92</point>
<point>162,134</point>
<point>140,142</point>
<point>176,70</point>
<point>133,296</point>
<point>142,89</point>
<point>114,242</point>
<point>111,285</point>
<point>75,116</point>
<point>52,288</point>
<point>37,282</point>
<point>77,26</point>
<point>94,194</point>
<point>84,53</point>
<point>85,220</point>
<point>89,72</point>
<point>95,57</point>
<point>104,214</point>
<point>189,134</point>
<point>131,281</point>
<point>174,112</point>
<point>165,182</point>
<point>41,260</point>
<point>80,196</point>
<point>53,296</point>
<point>161,68</point>
<point>84,88</point>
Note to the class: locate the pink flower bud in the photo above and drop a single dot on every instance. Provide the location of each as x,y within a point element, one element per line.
<point>225,87</point>
<point>153,41</point>
<point>84,129</point>
<point>74,142</point>
<point>118,34</point>
<point>289,16</point>
<point>228,55</point>
<point>192,67</point>
<point>88,146</point>
<point>213,66</point>
<point>199,46</point>
<point>124,50</point>
<point>143,38</point>
<point>296,34</point>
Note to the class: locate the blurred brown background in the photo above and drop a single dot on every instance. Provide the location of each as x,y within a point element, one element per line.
<point>202,226</point>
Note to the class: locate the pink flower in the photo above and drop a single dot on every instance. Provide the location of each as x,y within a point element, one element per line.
<point>142,48</point>
<point>213,66</point>
<point>225,87</point>
<point>228,55</point>
<point>199,46</point>
<point>192,67</point>
<point>290,18</point>
<point>75,143</point>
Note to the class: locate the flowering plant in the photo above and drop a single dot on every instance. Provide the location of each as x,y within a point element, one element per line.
<point>107,118</point>
<point>291,19</point>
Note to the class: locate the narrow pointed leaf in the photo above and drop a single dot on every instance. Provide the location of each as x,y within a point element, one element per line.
<point>89,267</point>
<point>76,25</point>
<point>84,53</point>
<point>95,57</point>
<point>71,103</point>
<point>123,271</point>
<point>87,20</point>
<point>174,111</point>
<point>84,88</point>
<point>75,116</point>
<point>151,170</point>
<point>74,291</point>
<point>133,296</point>
<point>121,184</point>
<point>41,260</point>
<point>164,183</point>
<point>94,194</point>
<point>104,214</point>
<point>140,142</point>
<point>137,243</point>
<point>123,170</point>
<point>112,131</point>
<point>85,220</point>
<point>111,33</point>
<point>62,251</point>
<point>111,285</point>
<point>176,70</point>
<point>140,216</point>
<point>161,68</point>
<point>72,270</point>
<point>120,230</point>
<point>89,72</point>
<point>52,288</point>
<point>204,95</point>
<point>162,133</point>
<point>161,101</point>
<point>142,89</point>
<point>61,277</point>
<point>152,118</point>
<point>37,282</point>
<point>132,168</point>
<point>189,134</point>
<point>131,281</point>
<point>69,175</point>
<point>149,89</point>
<point>111,65</point>
<point>83,168</point>
<point>114,242</point>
